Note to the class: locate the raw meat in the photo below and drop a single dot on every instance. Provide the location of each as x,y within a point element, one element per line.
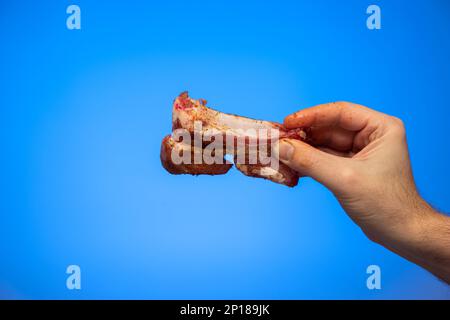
<point>196,128</point>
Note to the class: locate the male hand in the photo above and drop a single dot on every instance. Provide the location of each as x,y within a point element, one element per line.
<point>361,155</point>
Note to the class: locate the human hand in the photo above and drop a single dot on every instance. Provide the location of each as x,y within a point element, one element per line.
<point>361,155</point>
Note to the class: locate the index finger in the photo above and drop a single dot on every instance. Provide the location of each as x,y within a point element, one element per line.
<point>346,115</point>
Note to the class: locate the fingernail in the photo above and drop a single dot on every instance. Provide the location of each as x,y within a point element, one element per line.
<point>286,150</point>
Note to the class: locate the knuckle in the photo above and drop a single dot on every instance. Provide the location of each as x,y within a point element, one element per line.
<point>303,160</point>
<point>348,177</point>
<point>340,104</point>
<point>398,126</point>
<point>398,121</point>
<point>343,104</point>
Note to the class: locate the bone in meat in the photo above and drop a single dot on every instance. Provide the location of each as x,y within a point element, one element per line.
<point>186,111</point>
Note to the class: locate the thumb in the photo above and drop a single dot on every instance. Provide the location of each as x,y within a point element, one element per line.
<point>312,162</point>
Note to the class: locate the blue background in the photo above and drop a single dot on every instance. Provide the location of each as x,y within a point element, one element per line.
<point>82,114</point>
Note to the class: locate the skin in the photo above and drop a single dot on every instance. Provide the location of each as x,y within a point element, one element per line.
<point>361,155</point>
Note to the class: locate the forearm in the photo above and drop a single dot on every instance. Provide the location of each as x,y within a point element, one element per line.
<point>426,242</point>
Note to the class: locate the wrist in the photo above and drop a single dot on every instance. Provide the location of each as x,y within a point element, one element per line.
<point>406,226</point>
<point>425,240</point>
